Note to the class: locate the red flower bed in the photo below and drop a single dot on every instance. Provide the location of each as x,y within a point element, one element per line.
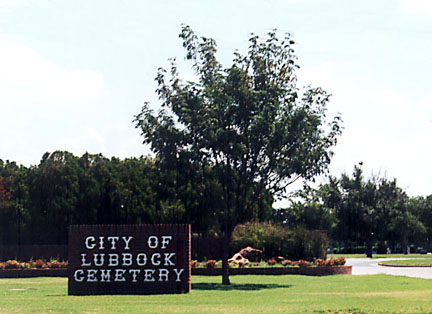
<point>38,264</point>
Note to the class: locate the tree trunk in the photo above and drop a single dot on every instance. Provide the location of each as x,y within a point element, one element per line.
<point>404,245</point>
<point>225,256</point>
<point>369,247</point>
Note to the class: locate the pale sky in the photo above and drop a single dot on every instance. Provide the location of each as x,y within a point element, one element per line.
<point>74,73</point>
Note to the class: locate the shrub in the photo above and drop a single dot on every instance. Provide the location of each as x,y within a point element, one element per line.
<point>357,250</point>
<point>64,264</point>
<point>12,264</point>
<point>272,261</point>
<point>53,264</point>
<point>278,240</point>
<point>320,262</point>
<point>286,262</point>
<point>303,263</point>
<point>272,239</point>
<point>25,265</point>
<point>39,264</point>
<point>340,261</point>
<point>211,264</point>
<point>195,264</point>
<point>308,245</point>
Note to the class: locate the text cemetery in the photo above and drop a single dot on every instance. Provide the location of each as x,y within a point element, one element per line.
<point>137,262</point>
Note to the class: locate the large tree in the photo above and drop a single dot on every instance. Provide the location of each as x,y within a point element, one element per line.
<point>53,193</point>
<point>13,201</point>
<point>247,125</point>
<point>369,210</point>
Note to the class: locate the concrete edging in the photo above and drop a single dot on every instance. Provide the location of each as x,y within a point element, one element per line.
<point>308,271</point>
<point>391,265</point>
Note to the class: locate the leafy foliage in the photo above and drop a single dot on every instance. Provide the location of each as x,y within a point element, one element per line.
<point>246,128</point>
<point>365,211</point>
<point>277,240</point>
<point>38,203</point>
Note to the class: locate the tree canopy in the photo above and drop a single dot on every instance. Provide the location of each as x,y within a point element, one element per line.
<point>364,211</point>
<point>248,125</point>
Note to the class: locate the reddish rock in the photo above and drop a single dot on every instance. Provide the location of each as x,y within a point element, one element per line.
<point>251,253</point>
<point>279,259</point>
<point>238,259</point>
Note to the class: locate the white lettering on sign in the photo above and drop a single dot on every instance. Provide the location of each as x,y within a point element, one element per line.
<point>163,274</point>
<point>127,259</point>
<point>168,257</point>
<point>141,259</point>
<point>113,259</point>
<point>122,275</point>
<point>91,275</point>
<point>90,242</point>
<point>134,273</point>
<point>155,263</point>
<point>105,260</point>
<point>87,243</point>
<point>119,275</point>
<point>165,241</point>
<point>105,275</point>
<point>83,260</point>
<point>178,273</point>
<point>101,243</point>
<point>148,275</point>
<point>126,241</point>
<point>113,241</point>
<point>101,260</point>
<point>78,275</point>
<point>152,242</point>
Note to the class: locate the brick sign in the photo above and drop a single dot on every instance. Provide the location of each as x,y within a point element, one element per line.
<point>129,259</point>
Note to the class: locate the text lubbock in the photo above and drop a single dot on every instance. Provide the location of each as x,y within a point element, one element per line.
<point>126,266</point>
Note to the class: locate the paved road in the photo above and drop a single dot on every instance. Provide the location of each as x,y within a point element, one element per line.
<point>365,266</point>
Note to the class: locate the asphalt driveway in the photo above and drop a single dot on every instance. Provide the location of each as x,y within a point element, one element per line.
<point>366,266</point>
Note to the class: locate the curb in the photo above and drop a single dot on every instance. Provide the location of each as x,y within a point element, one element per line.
<point>307,271</point>
<point>403,266</point>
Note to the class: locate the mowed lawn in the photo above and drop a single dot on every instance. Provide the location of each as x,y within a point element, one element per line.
<point>246,294</point>
<point>425,261</point>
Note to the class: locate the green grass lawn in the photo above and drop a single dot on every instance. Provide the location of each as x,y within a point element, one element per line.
<point>246,294</point>
<point>418,261</point>
<point>390,256</point>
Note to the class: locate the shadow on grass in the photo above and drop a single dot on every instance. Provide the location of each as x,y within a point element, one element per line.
<point>245,287</point>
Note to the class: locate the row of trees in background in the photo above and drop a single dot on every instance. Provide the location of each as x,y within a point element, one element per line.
<point>38,203</point>
<point>357,211</point>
